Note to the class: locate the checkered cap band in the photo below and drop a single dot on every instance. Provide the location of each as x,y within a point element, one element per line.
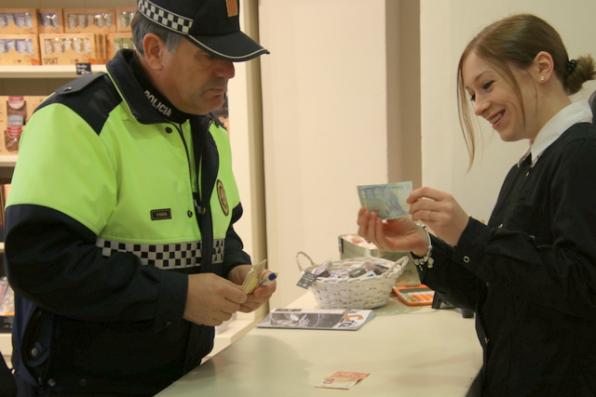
<point>164,256</point>
<point>165,18</point>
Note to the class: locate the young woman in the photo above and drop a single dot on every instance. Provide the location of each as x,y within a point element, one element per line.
<point>530,273</point>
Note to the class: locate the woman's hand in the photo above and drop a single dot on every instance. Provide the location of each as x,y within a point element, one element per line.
<point>393,234</point>
<point>440,212</point>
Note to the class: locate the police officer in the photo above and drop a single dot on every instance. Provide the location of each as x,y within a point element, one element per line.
<point>120,242</point>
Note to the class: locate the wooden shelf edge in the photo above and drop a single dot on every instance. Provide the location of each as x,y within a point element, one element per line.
<point>8,160</point>
<point>43,71</point>
<point>6,343</point>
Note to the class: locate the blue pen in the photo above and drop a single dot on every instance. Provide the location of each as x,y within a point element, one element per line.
<point>269,278</point>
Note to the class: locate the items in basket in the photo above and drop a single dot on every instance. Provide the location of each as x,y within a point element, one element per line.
<point>353,269</point>
<point>356,283</point>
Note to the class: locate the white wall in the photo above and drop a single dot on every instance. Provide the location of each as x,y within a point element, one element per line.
<point>246,136</point>
<point>446,27</point>
<point>325,124</point>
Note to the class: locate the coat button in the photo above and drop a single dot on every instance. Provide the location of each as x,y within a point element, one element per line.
<point>51,382</point>
<point>83,382</point>
<point>169,130</point>
<point>466,259</point>
<point>500,226</point>
<point>189,213</point>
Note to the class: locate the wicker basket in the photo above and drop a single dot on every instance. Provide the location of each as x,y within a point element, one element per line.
<point>354,293</point>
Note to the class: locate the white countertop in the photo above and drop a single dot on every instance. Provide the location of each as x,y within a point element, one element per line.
<point>407,351</point>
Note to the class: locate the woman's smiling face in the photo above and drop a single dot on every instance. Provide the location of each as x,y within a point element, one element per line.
<point>495,99</point>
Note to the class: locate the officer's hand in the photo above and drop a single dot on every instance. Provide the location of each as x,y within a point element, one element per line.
<point>260,295</point>
<point>211,299</point>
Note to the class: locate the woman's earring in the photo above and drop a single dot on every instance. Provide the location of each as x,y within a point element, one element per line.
<point>541,78</point>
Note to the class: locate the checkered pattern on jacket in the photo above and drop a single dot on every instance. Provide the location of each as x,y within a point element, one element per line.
<point>164,256</point>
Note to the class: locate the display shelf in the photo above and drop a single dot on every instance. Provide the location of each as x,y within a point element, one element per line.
<point>8,160</point>
<point>43,71</point>
<point>7,163</point>
<point>5,344</point>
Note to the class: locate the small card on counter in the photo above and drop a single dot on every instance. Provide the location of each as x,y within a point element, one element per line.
<point>331,319</point>
<point>342,380</point>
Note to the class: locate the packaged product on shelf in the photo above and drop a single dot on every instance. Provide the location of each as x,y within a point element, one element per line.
<point>6,190</point>
<point>118,41</point>
<point>19,49</point>
<point>16,115</point>
<point>6,305</point>
<point>15,111</point>
<point>124,17</point>
<point>2,112</point>
<point>89,20</point>
<point>71,48</point>
<point>50,20</point>
<point>18,20</point>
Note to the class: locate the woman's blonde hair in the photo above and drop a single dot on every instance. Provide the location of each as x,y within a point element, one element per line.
<point>516,40</point>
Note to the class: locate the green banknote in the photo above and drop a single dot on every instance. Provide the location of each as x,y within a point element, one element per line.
<point>387,200</point>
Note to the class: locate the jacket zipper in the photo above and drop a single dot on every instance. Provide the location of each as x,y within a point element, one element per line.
<point>196,203</point>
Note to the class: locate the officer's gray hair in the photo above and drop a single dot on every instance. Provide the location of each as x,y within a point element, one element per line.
<point>142,26</point>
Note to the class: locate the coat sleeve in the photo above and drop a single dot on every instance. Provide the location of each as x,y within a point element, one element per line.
<point>454,282</point>
<point>560,275</point>
<point>52,260</point>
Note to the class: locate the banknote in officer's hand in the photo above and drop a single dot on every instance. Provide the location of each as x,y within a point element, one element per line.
<point>389,200</point>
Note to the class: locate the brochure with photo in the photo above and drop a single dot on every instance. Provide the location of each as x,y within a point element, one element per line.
<point>331,319</point>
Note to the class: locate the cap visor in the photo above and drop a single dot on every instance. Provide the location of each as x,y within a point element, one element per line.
<point>236,47</point>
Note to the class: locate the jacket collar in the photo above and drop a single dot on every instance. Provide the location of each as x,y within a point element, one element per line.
<point>146,103</point>
<point>576,112</point>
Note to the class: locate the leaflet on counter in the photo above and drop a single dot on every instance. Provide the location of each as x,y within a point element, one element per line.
<point>331,319</point>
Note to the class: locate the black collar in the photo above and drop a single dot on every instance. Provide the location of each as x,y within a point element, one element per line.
<point>147,104</point>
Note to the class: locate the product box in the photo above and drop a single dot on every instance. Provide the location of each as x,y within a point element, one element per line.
<point>19,49</point>
<point>15,111</point>
<point>124,17</point>
<point>71,48</point>
<point>117,41</point>
<point>18,20</point>
<point>89,20</point>
<point>50,20</point>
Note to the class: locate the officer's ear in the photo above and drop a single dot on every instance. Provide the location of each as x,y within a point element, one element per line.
<point>154,50</point>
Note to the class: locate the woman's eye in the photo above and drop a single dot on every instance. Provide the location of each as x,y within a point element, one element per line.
<point>487,85</point>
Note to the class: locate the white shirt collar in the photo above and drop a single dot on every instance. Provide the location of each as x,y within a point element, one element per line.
<point>576,112</point>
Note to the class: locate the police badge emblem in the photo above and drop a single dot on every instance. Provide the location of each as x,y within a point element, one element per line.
<point>223,200</point>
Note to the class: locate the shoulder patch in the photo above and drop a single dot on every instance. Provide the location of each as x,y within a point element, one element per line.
<point>78,84</point>
<point>91,96</point>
